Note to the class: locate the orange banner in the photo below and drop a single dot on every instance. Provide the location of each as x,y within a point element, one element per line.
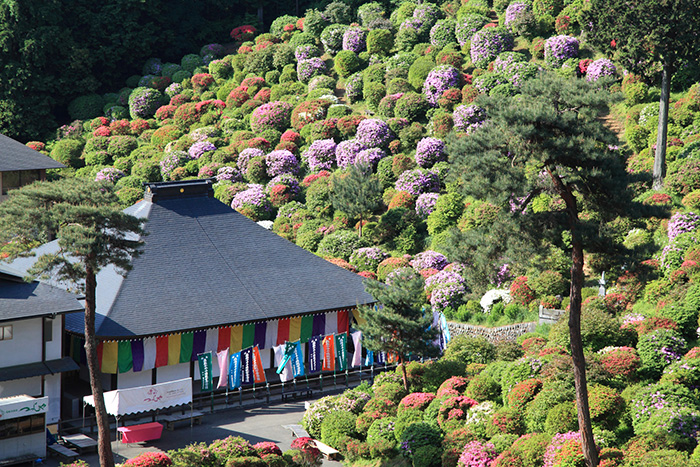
<point>328,353</point>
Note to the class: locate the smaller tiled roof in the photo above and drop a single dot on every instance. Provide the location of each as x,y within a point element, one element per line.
<point>17,156</point>
<point>21,300</point>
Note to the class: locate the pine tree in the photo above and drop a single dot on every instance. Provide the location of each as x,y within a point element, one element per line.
<point>643,34</point>
<point>92,232</point>
<point>399,323</point>
<point>356,192</point>
<point>548,140</point>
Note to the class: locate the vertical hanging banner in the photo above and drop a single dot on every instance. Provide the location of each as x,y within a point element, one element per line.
<point>288,352</point>
<point>258,370</point>
<point>445,330</point>
<point>369,358</point>
<point>234,371</point>
<point>247,366</point>
<point>285,371</point>
<point>205,371</point>
<point>357,355</point>
<point>381,357</point>
<point>222,359</point>
<point>329,353</point>
<point>341,351</point>
<point>315,354</point>
<point>298,360</point>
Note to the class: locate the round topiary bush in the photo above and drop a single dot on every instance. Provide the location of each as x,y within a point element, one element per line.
<point>253,203</point>
<point>346,63</point>
<point>332,38</point>
<point>418,181</point>
<point>337,425</point>
<point>368,258</point>
<point>559,49</point>
<point>419,435</point>
<point>340,244</point>
<point>274,115</point>
<point>380,42</point>
<point>658,349</point>
<point>86,107</point>
<point>143,102</point>
<point>488,43</point>
<point>439,80</point>
<point>443,33</point>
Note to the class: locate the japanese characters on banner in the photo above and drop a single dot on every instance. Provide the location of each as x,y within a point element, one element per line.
<point>341,351</point>
<point>328,353</point>
<point>222,358</point>
<point>234,371</point>
<point>205,371</point>
<point>298,360</point>
<point>258,370</point>
<point>247,366</point>
<point>288,352</point>
<point>315,354</point>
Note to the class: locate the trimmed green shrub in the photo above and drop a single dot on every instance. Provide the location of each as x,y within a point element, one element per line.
<point>380,42</point>
<point>337,425</point>
<point>340,244</point>
<point>346,63</point>
<point>68,152</point>
<point>86,107</point>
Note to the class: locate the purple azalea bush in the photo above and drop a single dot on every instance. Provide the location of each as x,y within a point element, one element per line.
<point>346,152</point>
<point>468,26</point>
<point>370,157</point>
<point>506,59</point>
<point>198,149</point>
<point>429,151</point>
<point>109,174</point>
<point>514,11</point>
<point>320,155</point>
<point>307,69</point>
<point>287,179</point>
<point>281,162</point>
<point>600,68</point>
<point>427,13</point>
<point>682,222</point>
<point>439,80</point>
<point>429,259</point>
<point>274,115</point>
<point>368,258</point>
<point>558,49</point>
<point>305,52</point>
<point>488,43</point>
<point>411,24</point>
<point>373,133</point>
<point>171,161</point>
<point>425,204</point>
<point>355,39</point>
<point>231,174</point>
<point>468,118</point>
<point>246,155</point>
<point>418,181</point>
<point>253,199</point>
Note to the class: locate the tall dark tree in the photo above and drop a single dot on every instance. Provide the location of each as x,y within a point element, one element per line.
<point>648,36</point>
<point>356,192</point>
<point>92,232</point>
<point>399,323</point>
<point>549,140</point>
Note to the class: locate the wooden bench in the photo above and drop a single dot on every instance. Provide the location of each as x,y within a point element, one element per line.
<point>62,452</point>
<point>294,393</point>
<point>26,459</point>
<point>327,451</point>
<point>298,431</point>
<point>172,419</point>
<point>80,442</point>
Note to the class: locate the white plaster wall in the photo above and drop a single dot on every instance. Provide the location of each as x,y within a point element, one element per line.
<point>52,389</point>
<point>25,345</point>
<point>23,445</point>
<point>29,386</point>
<point>53,348</point>
<point>172,372</point>
<point>132,379</point>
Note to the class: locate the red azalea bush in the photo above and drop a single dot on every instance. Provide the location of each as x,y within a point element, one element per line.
<point>389,265</point>
<point>342,263</point>
<point>309,179</point>
<point>454,408</point>
<point>367,274</point>
<point>524,392</point>
<point>120,127</point>
<point>508,420</point>
<point>265,448</point>
<point>309,112</point>
<point>654,323</point>
<point>520,291</point>
<point>453,386</point>
<point>292,136</point>
<point>620,361</point>
<point>611,457</point>
<point>38,145</point>
<point>347,125</point>
<point>243,33</point>
<point>533,345</point>
<point>201,82</point>
<point>237,97</point>
<point>416,400</point>
<point>150,459</point>
<point>605,404</point>
<point>401,199</point>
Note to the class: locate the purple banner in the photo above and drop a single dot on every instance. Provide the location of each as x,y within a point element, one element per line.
<point>319,325</point>
<point>247,366</point>
<point>315,354</point>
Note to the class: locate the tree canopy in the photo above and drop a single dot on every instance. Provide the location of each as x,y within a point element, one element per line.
<point>356,192</point>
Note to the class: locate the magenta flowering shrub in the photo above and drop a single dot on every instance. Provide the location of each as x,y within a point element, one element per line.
<point>429,259</point>
<point>468,118</point>
<point>355,39</point>
<point>320,155</point>
<point>282,189</point>
<point>266,448</point>
<point>468,26</point>
<point>246,155</point>
<point>307,69</point>
<point>231,174</point>
<point>198,149</point>
<point>416,400</point>
<point>425,204</point>
<point>488,43</point>
<point>447,295</point>
<point>418,181</point>
<point>281,162</point>
<point>373,133</point>
<point>442,278</point>
<point>430,151</point>
<point>143,102</point>
<point>553,454</point>
<point>368,258</point>
<point>271,116</point>
<point>346,152</point>
<point>682,222</point>
<point>253,203</point>
<point>454,408</point>
<point>109,174</point>
<point>477,454</point>
<point>558,49</point>
<point>306,52</point>
<point>439,80</point>
<point>370,157</point>
<point>600,68</point>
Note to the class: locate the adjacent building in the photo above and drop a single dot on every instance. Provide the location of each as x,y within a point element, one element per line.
<point>21,165</point>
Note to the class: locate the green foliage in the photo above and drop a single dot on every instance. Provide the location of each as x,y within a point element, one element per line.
<point>419,71</point>
<point>346,63</point>
<point>561,419</point>
<point>447,211</point>
<point>86,107</point>
<point>419,435</point>
<point>598,329</point>
<point>337,425</point>
<point>466,350</point>
<point>68,152</point>
<point>380,42</point>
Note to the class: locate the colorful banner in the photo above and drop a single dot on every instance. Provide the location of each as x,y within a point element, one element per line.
<point>318,328</point>
<point>149,353</point>
<point>343,321</point>
<point>161,351</point>
<point>307,327</point>
<point>205,360</point>
<point>341,352</point>
<point>110,357</point>
<point>234,371</point>
<point>247,366</point>
<point>288,352</point>
<point>286,373</point>
<point>358,317</point>
<point>259,334</point>
<point>224,339</point>
<point>446,338</point>
<point>222,359</point>
<point>298,360</point>
<point>282,331</point>
<point>248,335</point>
<point>137,354</point>
<point>174,349</point>
<point>125,359</point>
<point>199,343</point>
<point>315,354</point>
<point>236,339</point>
<point>258,370</point>
<point>329,353</point>
<point>369,358</point>
<point>294,329</point>
<point>186,344</point>
<point>381,358</point>
<point>271,334</point>
<point>357,355</point>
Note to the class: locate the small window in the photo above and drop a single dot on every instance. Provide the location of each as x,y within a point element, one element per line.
<point>6,332</point>
<point>48,329</point>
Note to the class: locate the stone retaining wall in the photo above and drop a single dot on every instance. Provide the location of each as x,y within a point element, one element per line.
<point>503,333</point>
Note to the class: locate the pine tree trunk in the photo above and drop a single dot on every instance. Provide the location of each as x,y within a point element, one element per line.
<point>404,373</point>
<point>260,16</point>
<point>104,443</point>
<point>659,171</point>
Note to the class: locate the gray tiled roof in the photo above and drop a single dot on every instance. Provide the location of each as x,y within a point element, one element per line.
<point>16,156</point>
<point>206,265</point>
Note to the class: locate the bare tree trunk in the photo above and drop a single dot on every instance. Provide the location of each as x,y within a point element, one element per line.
<point>104,443</point>
<point>659,171</point>
<point>404,373</point>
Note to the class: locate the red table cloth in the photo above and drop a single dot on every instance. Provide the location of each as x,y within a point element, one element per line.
<point>143,432</point>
